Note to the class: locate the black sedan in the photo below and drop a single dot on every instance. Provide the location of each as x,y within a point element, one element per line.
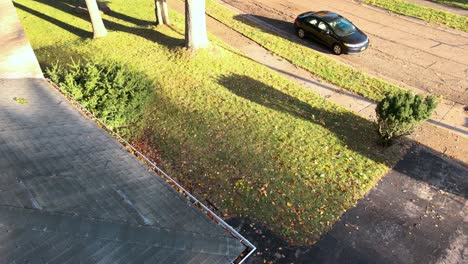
<point>332,30</point>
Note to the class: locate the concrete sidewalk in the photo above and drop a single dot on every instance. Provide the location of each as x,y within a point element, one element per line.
<point>416,214</point>
<point>17,59</point>
<point>125,205</point>
<point>70,192</point>
<point>448,115</point>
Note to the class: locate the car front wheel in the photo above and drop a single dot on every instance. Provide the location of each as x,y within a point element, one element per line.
<point>301,33</point>
<point>337,49</point>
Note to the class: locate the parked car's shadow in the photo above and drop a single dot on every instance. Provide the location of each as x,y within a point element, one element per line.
<point>284,29</point>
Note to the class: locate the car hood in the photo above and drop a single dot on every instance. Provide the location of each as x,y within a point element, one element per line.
<point>356,37</point>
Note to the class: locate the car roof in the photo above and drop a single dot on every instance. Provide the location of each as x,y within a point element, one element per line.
<point>326,16</point>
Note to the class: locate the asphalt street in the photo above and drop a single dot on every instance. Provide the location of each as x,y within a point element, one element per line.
<point>403,50</point>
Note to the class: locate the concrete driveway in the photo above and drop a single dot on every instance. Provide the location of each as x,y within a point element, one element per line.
<point>403,50</point>
<point>416,214</point>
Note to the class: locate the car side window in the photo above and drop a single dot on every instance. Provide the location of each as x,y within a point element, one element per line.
<point>313,22</point>
<point>322,26</point>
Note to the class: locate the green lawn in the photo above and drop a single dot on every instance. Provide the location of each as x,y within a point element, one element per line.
<point>229,129</point>
<point>321,65</point>
<point>425,13</point>
<point>457,3</point>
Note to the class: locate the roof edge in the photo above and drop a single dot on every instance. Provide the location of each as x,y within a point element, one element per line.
<point>215,218</point>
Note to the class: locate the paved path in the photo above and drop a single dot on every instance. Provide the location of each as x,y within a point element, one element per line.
<point>421,201</point>
<point>69,191</point>
<point>449,121</point>
<point>416,214</point>
<point>125,199</point>
<point>403,50</point>
<point>17,59</point>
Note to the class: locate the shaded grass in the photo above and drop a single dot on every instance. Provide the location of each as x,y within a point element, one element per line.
<point>425,13</point>
<point>320,65</point>
<point>457,3</point>
<point>229,129</point>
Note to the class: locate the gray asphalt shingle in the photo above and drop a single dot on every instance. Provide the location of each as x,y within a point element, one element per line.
<point>70,193</point>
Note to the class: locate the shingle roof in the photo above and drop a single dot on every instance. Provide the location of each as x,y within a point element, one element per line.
<point>70,191</point>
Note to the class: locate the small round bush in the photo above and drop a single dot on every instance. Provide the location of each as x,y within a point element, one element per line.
<point>110,90</point>
<point>400,113</point>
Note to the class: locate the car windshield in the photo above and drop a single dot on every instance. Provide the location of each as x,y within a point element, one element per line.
<point>342,27</point>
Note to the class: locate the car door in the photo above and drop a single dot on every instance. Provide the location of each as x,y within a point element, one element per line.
<point>325,34</point>
<point>310,26</point>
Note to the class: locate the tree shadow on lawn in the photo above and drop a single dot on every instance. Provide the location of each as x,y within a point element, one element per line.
<point>67,6</point>
<point>104,7</point>
<point>419,165</point>
<point>129,19</point>
<point>75,30</point>
<point>356,132</point>
<point>286,31</point>
<point>367,245</point>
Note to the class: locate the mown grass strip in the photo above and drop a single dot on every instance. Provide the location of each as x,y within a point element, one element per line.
<point>322,66</point>
<point>229,129</point>
<point>422,12</point>
<point>456,3</point>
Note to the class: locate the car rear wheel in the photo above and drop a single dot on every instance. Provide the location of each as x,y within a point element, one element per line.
<point>337,49</point>
<point>301,33</point>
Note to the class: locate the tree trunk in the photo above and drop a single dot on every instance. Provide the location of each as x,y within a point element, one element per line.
<point>99,30</point>
<point>165,12</point>
<point>160,10</point>
<point>195,25</point>
<point>157,12</point>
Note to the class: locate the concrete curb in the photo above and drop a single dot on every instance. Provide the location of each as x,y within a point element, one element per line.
<point>17,59</point>
<point>448,115</point>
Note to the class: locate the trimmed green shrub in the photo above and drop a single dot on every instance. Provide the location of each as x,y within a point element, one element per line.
<point>400,113</point>
<point>110,90</point>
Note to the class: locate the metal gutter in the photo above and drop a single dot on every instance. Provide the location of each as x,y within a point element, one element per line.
<point>191,198</point>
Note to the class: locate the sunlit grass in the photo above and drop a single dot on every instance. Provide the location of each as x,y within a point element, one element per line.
<point>229,129</point>
<point>457,3</point>
<point>321,65</point>
<point>425,13</point>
